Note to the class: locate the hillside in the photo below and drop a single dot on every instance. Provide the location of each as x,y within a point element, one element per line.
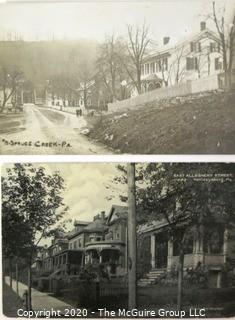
<point>202,124</point>
<point>40,60</point>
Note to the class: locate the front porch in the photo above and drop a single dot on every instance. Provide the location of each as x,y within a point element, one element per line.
<point>111,254</point>
<point>165,254</point>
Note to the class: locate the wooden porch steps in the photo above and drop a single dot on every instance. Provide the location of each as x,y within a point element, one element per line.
<point>152,277</point>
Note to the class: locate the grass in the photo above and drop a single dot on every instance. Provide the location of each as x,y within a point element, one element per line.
<point>195,125</point>
<point>11,301</point>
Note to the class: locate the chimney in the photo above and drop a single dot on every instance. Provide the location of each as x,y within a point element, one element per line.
<point>102,215</point>
<point>203,25</point>
<point>166,40</point>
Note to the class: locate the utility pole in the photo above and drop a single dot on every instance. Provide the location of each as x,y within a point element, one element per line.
<point>131,236</point>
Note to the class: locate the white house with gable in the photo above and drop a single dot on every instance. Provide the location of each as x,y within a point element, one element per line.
<point>194,57</point>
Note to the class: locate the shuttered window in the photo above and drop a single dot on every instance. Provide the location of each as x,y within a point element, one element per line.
<point>191,63</point>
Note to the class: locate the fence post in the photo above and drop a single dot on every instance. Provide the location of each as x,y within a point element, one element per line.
<point>25,300</point>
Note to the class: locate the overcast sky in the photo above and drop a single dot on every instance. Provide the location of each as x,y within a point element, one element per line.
<point>40,20</point>
<point>86,193</point>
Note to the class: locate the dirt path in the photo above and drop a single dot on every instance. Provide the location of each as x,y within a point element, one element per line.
<point>45,134</point>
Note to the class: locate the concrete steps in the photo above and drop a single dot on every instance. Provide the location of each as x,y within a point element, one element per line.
<point>152,277</point>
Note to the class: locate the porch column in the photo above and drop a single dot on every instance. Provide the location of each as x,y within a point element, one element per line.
<point>153,246</point>
<point>218,284</point>
<point>170,253</point>
<point>225,245</point>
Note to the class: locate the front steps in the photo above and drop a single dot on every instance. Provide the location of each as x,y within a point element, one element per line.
<point>152,277</point>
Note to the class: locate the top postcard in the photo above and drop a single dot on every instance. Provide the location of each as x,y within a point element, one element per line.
<point>117,77</point>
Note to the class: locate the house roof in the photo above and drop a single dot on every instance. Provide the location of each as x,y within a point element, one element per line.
<point>119,211</point>
<point>97,225</point>
<point>167,49</point>
<point>81,223</point>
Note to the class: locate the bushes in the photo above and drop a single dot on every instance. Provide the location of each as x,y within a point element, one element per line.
<point>197,277</point>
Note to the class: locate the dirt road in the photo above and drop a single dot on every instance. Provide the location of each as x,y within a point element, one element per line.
<point>46,131</point>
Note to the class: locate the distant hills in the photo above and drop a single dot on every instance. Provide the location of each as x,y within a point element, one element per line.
<point>41,60</point>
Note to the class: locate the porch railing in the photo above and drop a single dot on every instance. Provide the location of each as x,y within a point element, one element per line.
<point>191,260</point>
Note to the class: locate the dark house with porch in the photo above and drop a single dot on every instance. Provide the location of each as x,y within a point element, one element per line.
<point>160,254</point>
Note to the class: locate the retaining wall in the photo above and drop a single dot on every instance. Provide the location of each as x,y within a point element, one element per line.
<point>189,87</point>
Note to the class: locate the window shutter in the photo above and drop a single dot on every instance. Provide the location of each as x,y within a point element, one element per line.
<point>199,47</point>
<point>188,63</point>
<point>191,46</point>
<point>195,63</point>
<point>211,47</point>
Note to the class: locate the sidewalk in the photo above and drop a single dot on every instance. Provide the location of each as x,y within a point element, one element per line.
<point>40,300</point>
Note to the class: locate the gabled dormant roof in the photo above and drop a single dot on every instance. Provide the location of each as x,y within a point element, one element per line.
<point>119,211</point>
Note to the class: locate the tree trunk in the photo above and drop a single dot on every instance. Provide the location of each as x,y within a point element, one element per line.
<point>29,286</point>
<point>17,278</point>
<point>180,279</point>
<point>139,82</point>
<point>10,271</point>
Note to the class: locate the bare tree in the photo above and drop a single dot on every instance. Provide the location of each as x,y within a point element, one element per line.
<point>109,66</point>
<point>9,81</point>
<point>226,34</point>
<point>178,67</point>
<point>138,42</point>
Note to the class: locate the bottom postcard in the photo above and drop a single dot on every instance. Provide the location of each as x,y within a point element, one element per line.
<point>118,240</point>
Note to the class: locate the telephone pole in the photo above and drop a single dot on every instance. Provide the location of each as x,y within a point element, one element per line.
<point>131,236</point>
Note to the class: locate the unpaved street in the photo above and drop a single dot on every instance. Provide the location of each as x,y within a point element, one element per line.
<point>49,132</point>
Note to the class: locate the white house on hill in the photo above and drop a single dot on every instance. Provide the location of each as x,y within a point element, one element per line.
<point>195,57</point>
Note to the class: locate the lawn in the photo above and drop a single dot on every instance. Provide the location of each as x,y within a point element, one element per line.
<point>11,302</point>
<point>192,125</point>
<point>218,302</point>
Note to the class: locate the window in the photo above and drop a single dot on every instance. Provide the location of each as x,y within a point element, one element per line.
<point>195,46</point>
<point>152,67</point>
<point>212,47</point>
<point>218,64</point>
<point>192,46</point>
<point>191,63</point>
